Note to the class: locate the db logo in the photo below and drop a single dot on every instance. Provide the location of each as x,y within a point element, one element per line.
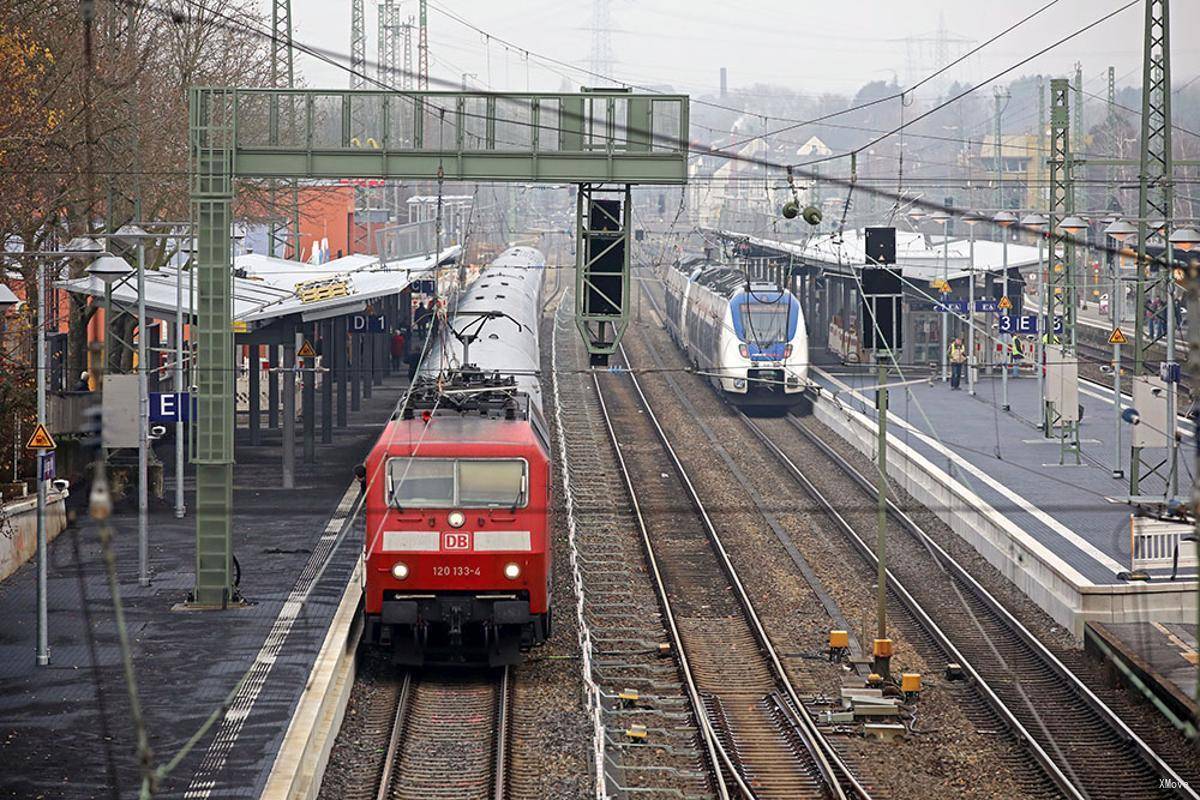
<point>456,540</point>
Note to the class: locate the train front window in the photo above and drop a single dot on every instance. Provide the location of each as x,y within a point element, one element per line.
<point>765,324</point>
<point>491,483</point>
<point>449,483</point>
<point>422,482</point>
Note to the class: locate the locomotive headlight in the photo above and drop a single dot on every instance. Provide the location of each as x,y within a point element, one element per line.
<point>739,383</point>
<point>456,519</point>
<point>512,571</point>
<point>399,570</point>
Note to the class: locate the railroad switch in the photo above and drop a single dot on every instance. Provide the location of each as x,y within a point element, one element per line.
<point>910,684</point>
<point>628,697</point>
<point>954,672</point>
<point>635,731</point>
<point>839,645</point>
<point>882,651</point>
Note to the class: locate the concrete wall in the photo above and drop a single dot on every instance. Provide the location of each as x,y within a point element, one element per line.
<point>18,528</point>
<point>1059,589</point>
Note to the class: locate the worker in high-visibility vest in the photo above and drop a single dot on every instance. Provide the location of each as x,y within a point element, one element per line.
<point>1017,354</point>
<point>957,356</point>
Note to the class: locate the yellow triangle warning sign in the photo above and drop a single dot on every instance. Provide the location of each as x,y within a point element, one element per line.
<point>1004,304</point>
<point>1117,337</point>
<point>41,439</point>
<point>306,350</point>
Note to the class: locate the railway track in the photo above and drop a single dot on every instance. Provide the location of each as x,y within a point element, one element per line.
<point>444,735</point>
<point>759,737</point>
<point>1084,746</point>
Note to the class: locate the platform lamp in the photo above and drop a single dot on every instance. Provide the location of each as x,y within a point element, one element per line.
<point>1119,230</point>
<point>77,248</point>
<point>971,219</point>
<point>108,269</point>
<point>1185,239</point>
<point>1005,219</point>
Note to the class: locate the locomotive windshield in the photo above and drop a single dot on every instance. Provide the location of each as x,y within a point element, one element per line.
<point>447,483</point>
<point>765,324</point>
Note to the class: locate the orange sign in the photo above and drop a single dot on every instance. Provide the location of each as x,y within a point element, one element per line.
<point>41,439</point>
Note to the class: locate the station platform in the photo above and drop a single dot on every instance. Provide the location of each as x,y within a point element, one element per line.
<point>1158,659</point>
<point>1040,518</point>
<point>67,731</point>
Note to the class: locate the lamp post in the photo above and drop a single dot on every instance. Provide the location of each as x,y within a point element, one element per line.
<point>943,219</point>
<point>1073,225</point>
<point>1005,219</point>
<point>971,219</point>
<point>1119,230</point>
<point>132,233</point>
<point>1037,223</point>
<point>8,300</point>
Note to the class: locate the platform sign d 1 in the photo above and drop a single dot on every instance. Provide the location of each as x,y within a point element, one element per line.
<point>367,323</point>
<point>170,407</point>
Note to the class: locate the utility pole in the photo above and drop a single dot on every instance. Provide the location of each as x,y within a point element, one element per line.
<point>1077,126</point>
<point>358,45</point>
<point>600,60</point>
<point>1194,369</point>
<point>282,77</point>
<point>406,78</point>
<point>1061,293</point>
<point>1111,122</point>
<point>423,48</point>
<point>1156,199</point>
<point>1042,151</point>
<point>1001,96</point>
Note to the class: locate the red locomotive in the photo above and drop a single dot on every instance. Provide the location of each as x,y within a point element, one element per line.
<point>457,543</point>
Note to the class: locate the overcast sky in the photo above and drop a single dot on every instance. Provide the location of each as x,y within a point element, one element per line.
<point>807,46</point>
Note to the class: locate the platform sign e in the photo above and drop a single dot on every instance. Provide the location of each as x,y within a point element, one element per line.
<point>170,406</point>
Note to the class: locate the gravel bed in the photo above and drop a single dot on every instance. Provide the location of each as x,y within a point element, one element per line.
<point>360,745</point>
<point>620,606</point>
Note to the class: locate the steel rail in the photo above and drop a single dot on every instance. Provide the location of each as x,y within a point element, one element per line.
<point>394,740</point>
<point>1124,732</point>
<point>716,750</point>
<point>832,768</point>
<point>503,720</point>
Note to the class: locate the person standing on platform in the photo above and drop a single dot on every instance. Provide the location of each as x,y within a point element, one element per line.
<point>957,357</point>
<point>397,348</point>
<point>1017,355</point>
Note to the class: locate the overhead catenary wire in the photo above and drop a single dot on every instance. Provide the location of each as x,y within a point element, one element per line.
<point>331,57</point>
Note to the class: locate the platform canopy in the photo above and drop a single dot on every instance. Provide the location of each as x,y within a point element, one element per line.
<point>919,257</point>
<point>273,287</point>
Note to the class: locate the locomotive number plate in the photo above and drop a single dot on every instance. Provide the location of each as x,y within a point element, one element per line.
<point>457,572</point>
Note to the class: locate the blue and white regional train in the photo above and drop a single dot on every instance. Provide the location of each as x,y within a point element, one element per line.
<point>749,336</point>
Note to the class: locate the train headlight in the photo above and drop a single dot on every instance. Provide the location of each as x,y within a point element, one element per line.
<point>399,570</point>
<point>743,351</point>
<point>739,383</point>
<point>512,571</point>
<point>456,519</point>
